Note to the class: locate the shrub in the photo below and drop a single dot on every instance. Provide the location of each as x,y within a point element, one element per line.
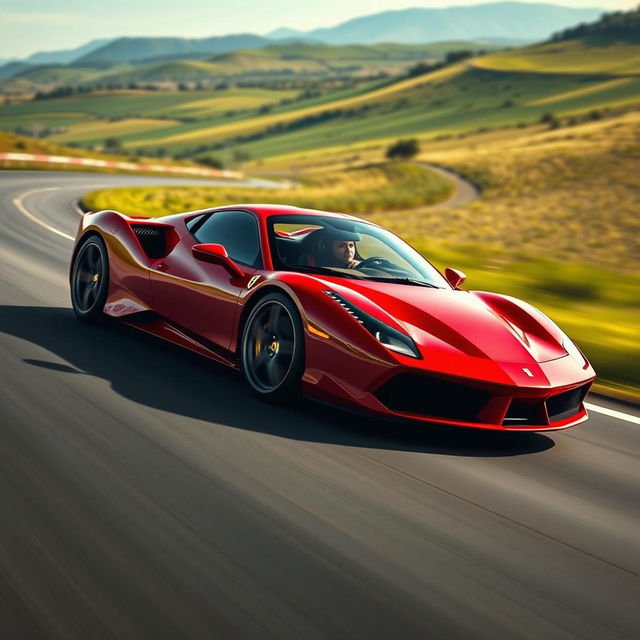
<point>403,149</point>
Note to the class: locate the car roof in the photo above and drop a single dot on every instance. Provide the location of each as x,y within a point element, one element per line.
<point>264,211</point>
<point>268,210</point>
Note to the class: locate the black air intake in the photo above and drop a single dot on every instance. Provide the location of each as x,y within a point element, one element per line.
<point>566,404</point>
<point>423,395</point>
<point>151,238</point>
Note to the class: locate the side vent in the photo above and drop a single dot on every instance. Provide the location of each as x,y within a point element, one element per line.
<point>152,238</point>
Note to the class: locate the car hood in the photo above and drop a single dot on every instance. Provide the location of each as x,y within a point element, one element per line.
<point>476,324</point>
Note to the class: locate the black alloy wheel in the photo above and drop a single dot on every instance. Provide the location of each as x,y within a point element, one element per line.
<point>90,279</point>
<point>272,351</point>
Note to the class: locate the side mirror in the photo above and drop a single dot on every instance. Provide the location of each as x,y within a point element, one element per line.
<point>454,277</point>
<point>216,254</point>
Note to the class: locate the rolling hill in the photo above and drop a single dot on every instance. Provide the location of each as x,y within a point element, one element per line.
<point>137,50</point>
<point>288,59</point>
<point>609,46</point>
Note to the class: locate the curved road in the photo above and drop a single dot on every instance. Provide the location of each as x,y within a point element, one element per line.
<point>144,493</point>
<point>464,191</point>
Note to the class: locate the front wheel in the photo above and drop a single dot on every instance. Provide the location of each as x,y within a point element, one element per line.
<point>272,348</point>
<point>90,279</point>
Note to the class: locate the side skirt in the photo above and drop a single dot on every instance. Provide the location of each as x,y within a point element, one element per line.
<point>153,324</point>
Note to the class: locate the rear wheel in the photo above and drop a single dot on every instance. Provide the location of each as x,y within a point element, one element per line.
<point>90,279</point>
<point>272,350</point>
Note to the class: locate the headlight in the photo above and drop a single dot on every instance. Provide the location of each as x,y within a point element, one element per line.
<point>388,336</point>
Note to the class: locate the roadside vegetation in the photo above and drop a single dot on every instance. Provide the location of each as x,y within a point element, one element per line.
<point>358,191</point>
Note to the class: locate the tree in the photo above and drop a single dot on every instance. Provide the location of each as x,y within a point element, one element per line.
<point>403,149</point>
<point>456,56</point>
<point>211,161</point>
<point>112,144</point>
<point>420,69</point>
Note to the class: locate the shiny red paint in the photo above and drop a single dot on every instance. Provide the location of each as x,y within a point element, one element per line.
<point>501,349</point>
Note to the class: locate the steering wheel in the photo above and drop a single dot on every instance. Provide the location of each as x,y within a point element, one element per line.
<point>375,262</point>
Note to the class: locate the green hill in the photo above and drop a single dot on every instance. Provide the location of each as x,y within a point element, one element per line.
<point>451,101</point>
<point>56,74</point>
<point>608,46</point>
<point>619,26</point>
<point>568,57</point>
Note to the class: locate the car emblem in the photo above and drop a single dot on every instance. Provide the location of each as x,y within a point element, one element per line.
<point>527,372</point>
<point>252,281</point>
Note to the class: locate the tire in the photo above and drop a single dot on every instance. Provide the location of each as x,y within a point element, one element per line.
<point>90,279</point>
<point>272,349</point>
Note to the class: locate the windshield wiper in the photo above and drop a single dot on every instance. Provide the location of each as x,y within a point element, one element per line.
<point>420,283</point>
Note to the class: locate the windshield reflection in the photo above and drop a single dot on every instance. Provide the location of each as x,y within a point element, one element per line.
<point>349,249</point>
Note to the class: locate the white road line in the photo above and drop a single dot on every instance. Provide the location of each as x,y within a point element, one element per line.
<point>22,209</point>
<point>612,413</point>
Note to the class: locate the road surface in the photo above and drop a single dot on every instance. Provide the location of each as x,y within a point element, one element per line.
<point>144,493</point>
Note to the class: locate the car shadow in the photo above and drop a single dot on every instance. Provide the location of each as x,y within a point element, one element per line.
<point>151,372</point>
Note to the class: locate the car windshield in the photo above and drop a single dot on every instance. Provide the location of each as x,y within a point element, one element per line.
<point>349,249</point>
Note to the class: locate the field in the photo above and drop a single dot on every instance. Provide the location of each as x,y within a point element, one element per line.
<point>462,101</point>
<point>567,57</point>
<point>451,101</point>
<point>565,79</point>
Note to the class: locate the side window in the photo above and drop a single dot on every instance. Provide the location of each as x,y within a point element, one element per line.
<point>237,231</point>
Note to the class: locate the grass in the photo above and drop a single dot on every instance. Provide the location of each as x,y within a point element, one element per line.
<point>140,103</point>
<point>567,57</point>
<point>255,124</point>
<point>95,132</point>
<point>359,191</point>
<point>203,108</point>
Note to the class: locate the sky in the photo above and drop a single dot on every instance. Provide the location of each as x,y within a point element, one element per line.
<point>28,26</point>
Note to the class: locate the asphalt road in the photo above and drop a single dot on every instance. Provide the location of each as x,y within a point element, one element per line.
<point>144,493</point>
<point>463,193</point>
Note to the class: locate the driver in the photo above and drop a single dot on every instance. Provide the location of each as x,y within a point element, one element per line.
<point>338,248</point>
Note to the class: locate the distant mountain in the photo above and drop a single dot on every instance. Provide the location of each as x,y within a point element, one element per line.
<point>66,56</point>
<point>11,69</point>
<point>513,20</point>
<point>139,50</point>
<point>284,32</point>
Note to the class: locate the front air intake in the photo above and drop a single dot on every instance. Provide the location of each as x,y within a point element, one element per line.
<point>567,404</point>
<point>427,396</point>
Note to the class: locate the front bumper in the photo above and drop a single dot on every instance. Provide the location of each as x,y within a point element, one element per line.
<point>541,397</point>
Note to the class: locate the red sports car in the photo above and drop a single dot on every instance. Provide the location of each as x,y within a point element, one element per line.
<point>334,307</point>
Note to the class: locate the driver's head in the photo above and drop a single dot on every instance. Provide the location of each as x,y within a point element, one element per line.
<point>339,246</point>
<point>343,251</point>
